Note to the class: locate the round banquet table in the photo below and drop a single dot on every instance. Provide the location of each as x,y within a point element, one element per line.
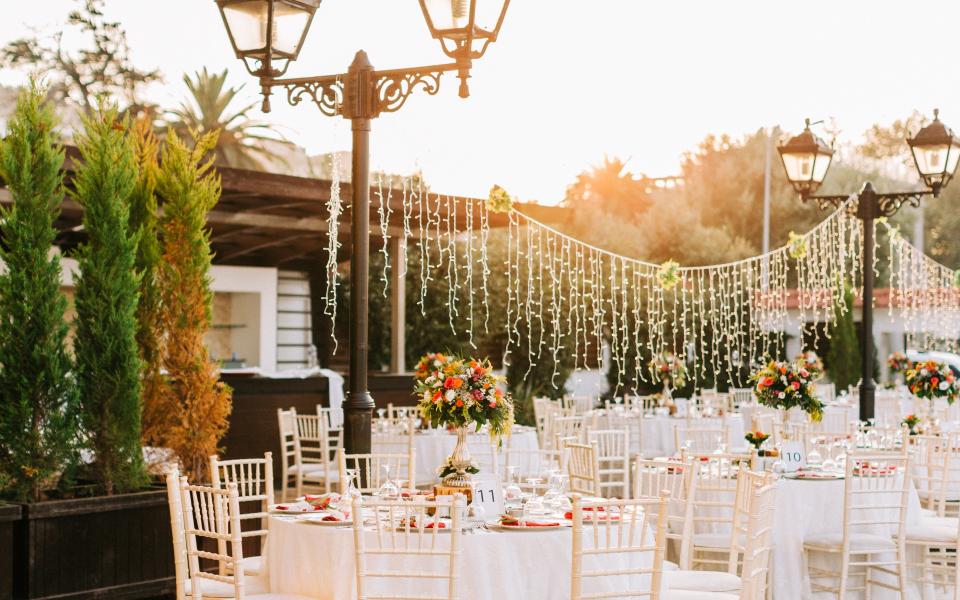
<point>659,438</point>
<point>810,507</point>
<point>433,446</point>
<point>318,562</point>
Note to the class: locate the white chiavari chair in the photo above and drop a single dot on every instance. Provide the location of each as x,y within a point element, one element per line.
<point>530,463</point>
<point>714,507</point>
<point>553,413</point>
<point>872,536</point>
<point>834,420</point>
<point>395,436</point>
<point>826,392</point>
<point>751,545</point>
<point>314,453</point>
<point>579,405</point>
<point>541,406</point>
<point>740,396</point>
<point>941,496</point>
<point>369,471</point>
<point>698,439</point>
<point>650,477</point>
<point>583,468</point>
<point>254,480</point>
<point>292,469</point>
<point>566,427</point>
<point>625,540</point>
<point>401,412</point>
<point>405,533</point>
<point>613,461</point>
<point>334,421</point>
<point>887,409</point>
<point>204,517</point>
<point>826,441</point>
<point>486,454</point>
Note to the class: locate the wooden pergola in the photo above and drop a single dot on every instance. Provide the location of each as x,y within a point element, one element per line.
<point>272,220</point>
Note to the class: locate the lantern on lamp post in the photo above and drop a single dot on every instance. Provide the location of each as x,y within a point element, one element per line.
<point>267,35</point>
<point>806,160</point>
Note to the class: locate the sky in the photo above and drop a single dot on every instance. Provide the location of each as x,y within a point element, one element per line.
<point>570,82</point>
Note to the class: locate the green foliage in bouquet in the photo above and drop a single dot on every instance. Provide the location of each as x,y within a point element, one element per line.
<point>464,392</point>
<point>38,415</point>
<point>667,367</point>
<point>499,201</point>
<point>668,276</point>
<point>932,380</point>
<point>107,291</point>
<point>779,384</point>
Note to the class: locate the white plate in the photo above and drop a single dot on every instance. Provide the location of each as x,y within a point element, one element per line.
<point>293,508</point>
<point>318,520</point>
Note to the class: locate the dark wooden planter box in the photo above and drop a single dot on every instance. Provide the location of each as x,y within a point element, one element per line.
<point>9,515</point>
<point>117,547</point>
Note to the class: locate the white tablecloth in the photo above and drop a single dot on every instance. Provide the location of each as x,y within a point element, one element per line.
<point>435,445</point>
<point>659,438</point>
<point>318,562</point>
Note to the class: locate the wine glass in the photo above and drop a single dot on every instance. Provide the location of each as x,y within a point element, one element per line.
<point>512,492</point>
<point>388,489</point>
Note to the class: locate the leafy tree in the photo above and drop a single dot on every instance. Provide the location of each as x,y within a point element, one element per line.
<point>843,359</point>
<point>241,139</point>
<point>108,362</point>
<point>197,401</point>
<point>143,222</point>
<point>38,400</point>
<point>102,68</point>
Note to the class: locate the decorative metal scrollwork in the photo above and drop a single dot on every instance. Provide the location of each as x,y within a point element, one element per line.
<point>889,204</point>
<point>393,90</point>
<point>824,202</point>
<point>328,95</point>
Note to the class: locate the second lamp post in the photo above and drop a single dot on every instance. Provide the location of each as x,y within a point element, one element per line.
<point>806,159</point>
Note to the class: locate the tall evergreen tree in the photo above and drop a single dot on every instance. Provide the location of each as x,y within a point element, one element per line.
<point>108,361</point>
<point>38,419</point>
<point>194,395</point>
<point>843,359</point>
<point>143,221</point>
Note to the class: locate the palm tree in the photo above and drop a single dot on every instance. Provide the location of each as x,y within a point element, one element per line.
<point>241,143</point>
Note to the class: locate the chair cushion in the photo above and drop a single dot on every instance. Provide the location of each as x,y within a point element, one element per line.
<point>218,589</point>
<point>688,595</point>
<point>252,565</point>
<point>701,581</point>
<point>859,542</point>
<point>933,529</point>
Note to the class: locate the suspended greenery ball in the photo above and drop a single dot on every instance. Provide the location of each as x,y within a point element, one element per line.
<point>669,275</point>
<point>499,200</point>
<point>797,246</point>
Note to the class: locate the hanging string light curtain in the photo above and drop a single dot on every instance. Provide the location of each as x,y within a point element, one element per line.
<point>923,294</point>
<point>561,297</point>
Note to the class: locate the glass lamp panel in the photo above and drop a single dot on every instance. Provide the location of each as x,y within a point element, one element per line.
<point>289,24</point>
<point>799,165</point>
<point>952,159</point>
<point>449,14</point>
<point>820,167</point>
<point>931,159</point>
<point>488,13</point>
<point>248,24</point>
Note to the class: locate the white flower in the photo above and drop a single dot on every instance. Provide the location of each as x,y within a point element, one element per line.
<point>426,396</point>
<point>450,395</point>
<point>944,385</point>
<point>923,371</point>
<point>781,395</point>
<point>437,363</point>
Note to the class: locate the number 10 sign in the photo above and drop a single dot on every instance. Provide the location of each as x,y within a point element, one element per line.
<point>792,456</point>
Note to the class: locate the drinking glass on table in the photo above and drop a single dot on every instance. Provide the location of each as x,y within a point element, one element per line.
<point>551,498</point>
<point>388,489</point>
<point>512,493</point>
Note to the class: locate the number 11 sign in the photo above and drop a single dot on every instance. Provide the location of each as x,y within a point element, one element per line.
<point>488,494</point>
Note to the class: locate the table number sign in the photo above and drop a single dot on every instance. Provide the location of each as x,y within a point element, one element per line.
<point>792,456</point>
<point>488,494</point>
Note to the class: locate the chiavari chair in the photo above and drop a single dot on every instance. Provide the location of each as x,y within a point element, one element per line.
<point>613,460</point>
<point>254,480</point>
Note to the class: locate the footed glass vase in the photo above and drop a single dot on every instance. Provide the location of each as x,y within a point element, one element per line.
<point>460,461</point>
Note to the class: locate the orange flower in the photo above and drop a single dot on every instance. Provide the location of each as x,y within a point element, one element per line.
<point>459,402</point>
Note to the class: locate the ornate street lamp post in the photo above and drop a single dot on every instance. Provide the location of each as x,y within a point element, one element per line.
<point>806,159</point>
<point>267,36</point>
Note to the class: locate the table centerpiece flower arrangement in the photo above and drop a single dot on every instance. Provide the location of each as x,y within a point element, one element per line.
<point>667,369</point>
<point>458,394</point>
<point>811,362</point>
<point>781,385</point>
<point>932,380</point>
<point>911,421</point>
<point>756,438</point>
<point>898,363</point>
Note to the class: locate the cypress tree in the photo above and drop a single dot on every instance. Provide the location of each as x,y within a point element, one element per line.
<point>843,359</point>
<point>143,221</point>
<point>108,362</point>
<point>193,394</point>
<point>38,421</point>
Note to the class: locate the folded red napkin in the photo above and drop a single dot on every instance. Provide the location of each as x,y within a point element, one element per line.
<point>569,516</point>
<point>515,522</point>
<point>282,507</point>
